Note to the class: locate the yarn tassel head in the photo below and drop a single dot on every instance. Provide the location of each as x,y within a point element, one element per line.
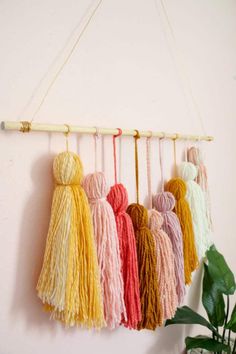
<point>118,198</point>
<point>69,284</point>
<point>164,202</point>
<point>194,155</point>
<point>178,188</point>
<point>146,252</point>
<point>195,197</point>
<point>107,249</point>
<point>165,265</point>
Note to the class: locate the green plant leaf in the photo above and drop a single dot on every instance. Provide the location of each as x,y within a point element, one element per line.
<point>213,300</point>
<point>207,343</point>
<point>219,271</point>
<point>185,315</point>
<point>232,322</point>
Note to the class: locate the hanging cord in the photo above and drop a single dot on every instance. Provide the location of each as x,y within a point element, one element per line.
<point>149,179</point>
<point>96,136</point>
<point>67,135</point>
<point>174,148</point>
<point>182,65</point>
<point>136,137</point>
<point>161,161</point>
<point>58,72</point>
<point>114,152</point>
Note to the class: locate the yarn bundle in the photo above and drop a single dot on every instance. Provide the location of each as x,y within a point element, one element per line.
<point>68,284</point>
<point>108,252</point>
<point>118,198</point>
<point>152,314</point>
<point>165,266</point>
<point>178,188</point>
<point>164,251</point>
<point>195,197</point>
<point>164,202</point>
<point>194,155</point>
<point>151,309</point>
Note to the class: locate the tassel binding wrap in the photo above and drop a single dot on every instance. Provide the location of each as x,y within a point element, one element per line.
<point>164,202</point>
<point>118,198</point>
<point>149,293</point>
<point>195,197</point>
<point>69,284</point>
<point>178,188</point>
<point>107,249</point>
<point>165,265</point>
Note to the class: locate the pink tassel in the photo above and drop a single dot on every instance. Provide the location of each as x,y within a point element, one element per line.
<point>107,249</point>
<point>165,265</point>
<point>164,202</point>
<point>118,198</point>
<point>194,155</point>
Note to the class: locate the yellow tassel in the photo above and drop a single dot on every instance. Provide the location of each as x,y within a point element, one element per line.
<point>69,283</point>
<point>178,188</point>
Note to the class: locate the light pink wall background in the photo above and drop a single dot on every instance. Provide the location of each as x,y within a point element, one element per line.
<point>123,75</point>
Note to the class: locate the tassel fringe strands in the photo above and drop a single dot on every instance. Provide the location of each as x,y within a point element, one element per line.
<point>164,202</point>
<point>149,292</point>
<point>195,197</point>
<point>178,188</point>
<point>165,266</point>
<point>69,283</point>
<point>194,155</point>
<point>146,252</point>
<point>118,198</point>
<point>107,249</point>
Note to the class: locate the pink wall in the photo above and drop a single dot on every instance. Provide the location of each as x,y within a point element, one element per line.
<point>121,75</point>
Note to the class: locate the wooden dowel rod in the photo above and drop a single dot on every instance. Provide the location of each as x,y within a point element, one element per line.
<point>63,128</point>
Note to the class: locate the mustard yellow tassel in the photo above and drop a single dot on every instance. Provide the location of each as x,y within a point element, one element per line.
<point>69,283</point>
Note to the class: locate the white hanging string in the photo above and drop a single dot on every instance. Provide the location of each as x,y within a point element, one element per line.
<point>181,64</point>
<point>68,56</point>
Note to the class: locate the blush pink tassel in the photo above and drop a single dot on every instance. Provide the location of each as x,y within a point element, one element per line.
<point>107,249</point>
<point>164,202</point>
<point>165,265</point>
<point>194,155</point>
<point>118,198</point>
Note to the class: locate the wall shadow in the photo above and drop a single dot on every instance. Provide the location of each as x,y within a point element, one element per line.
<point>33,232</point>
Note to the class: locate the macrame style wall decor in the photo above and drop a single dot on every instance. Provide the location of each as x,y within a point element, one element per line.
<point>108,264</point>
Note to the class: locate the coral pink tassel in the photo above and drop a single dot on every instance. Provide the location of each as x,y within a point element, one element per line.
<point>118,198</point>
<point>107,249</point>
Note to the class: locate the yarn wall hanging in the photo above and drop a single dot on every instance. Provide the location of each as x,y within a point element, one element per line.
<point>118,198</point>
<point>146,253</point>
<point>195,197</point>
<point>69,284</point>
<point>164,251</point>
<point>194,155</point>
<point>178,188</point>
<point>164,202</point>
<point>107,242</point>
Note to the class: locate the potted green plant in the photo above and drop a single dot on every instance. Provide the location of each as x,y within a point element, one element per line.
<point>218,285</point>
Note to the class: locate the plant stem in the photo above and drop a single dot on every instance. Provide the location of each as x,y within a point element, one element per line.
<point>226,319</point>
<point>234,348</point>
<point>229,337</point>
